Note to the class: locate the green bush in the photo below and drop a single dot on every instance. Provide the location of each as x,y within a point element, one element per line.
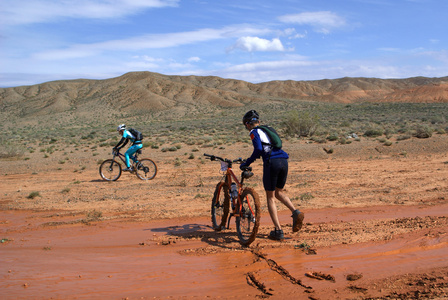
<point>333,137</point>
<point>373,132</point>
<point>302,124</point>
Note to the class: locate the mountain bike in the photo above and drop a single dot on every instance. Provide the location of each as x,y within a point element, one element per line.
<point>144,168</point>
<point>244,202</point>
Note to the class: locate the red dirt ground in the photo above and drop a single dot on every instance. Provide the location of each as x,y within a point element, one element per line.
<point>376,224</point>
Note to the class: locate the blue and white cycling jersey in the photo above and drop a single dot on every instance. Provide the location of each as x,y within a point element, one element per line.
<point>128,135</point>
<point>262,147</point>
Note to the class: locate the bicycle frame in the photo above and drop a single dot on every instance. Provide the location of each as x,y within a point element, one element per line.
<point>229,178</point>
<point>122,157</point>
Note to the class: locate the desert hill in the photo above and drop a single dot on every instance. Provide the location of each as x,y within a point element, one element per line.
<point>146,92</point>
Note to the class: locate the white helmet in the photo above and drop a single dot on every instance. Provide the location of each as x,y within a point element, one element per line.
<point>121,127</point>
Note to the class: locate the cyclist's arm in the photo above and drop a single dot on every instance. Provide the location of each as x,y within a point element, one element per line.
<point>258,147</point>
<point>123,141</point>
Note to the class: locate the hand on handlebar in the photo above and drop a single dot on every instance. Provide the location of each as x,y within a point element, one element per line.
<point>244,166</point>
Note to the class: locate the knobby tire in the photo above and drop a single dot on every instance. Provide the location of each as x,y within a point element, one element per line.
<point>248,220</point>
<point>110,170</point>
<point>220,206</point>
<point>146,169</point>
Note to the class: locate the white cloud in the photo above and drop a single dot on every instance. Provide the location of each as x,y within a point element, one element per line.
<point>292,34</point>
<point>153,41</point>
<point>321,21</point>
<point>254,44</point>
<point>15,12</point>
<point>151,59</point>
<point>194,59</point>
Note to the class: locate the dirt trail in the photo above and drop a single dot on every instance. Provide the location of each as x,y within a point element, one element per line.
<point>376,225</point>
<point>184,257</point>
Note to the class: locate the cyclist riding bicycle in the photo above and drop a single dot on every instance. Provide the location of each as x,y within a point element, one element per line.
<point>127,136</point>
<point>275,173</point>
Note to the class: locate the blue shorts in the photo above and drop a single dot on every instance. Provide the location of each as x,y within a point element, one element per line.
<point>275,173</point>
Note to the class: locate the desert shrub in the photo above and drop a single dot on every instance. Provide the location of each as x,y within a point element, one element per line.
<point>33,195</point>
<point>302,124</point>
<point>388,133</point>
<point>373,132</point>
<point>403,137</point>
<point>177,162</point>
<point>333,137</point>
<point>94,215</point>
<point>65,190</point>
<point>387,143</point>
<point>171,149</point>
<point>319,140</point>
<point>423,132</point>
<point>344,141</point>
<point>345,124</point>
<point>11,151</point>
<point>306,197</point>
<point>437,120</point>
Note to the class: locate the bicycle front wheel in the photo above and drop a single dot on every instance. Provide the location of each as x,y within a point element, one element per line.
<point>110,170</point>
<point>248,219</point>
<point>220,206</point>
<point>146,169</point>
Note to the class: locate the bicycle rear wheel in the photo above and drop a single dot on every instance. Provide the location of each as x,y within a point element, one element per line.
<point>248,220</point>
<point>110,170</point>
<point>146,169</point>
<point>220,206</point>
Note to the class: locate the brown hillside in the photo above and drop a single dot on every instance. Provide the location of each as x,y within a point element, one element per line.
<point>144,92</point>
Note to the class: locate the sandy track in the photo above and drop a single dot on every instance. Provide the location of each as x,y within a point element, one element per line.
<point>380,219</point>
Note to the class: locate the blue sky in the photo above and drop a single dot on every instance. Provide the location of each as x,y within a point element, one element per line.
<point>255,41</point>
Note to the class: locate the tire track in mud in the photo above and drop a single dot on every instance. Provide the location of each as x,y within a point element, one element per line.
<point>253,281</point>
<point>316,235</point>
<point>275,267</point>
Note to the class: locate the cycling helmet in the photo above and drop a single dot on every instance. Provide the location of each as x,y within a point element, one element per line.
<point>250,117</point>
<point>121,127</point>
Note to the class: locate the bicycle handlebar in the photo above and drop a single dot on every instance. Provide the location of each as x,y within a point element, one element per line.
<point>238,160</point>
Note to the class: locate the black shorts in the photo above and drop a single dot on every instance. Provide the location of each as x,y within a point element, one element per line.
<point>275,173</point>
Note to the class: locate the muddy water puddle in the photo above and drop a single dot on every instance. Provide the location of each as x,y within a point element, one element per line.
<point>116,260</point>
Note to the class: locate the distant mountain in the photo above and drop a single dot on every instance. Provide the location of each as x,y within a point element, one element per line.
<point>146,92</point>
